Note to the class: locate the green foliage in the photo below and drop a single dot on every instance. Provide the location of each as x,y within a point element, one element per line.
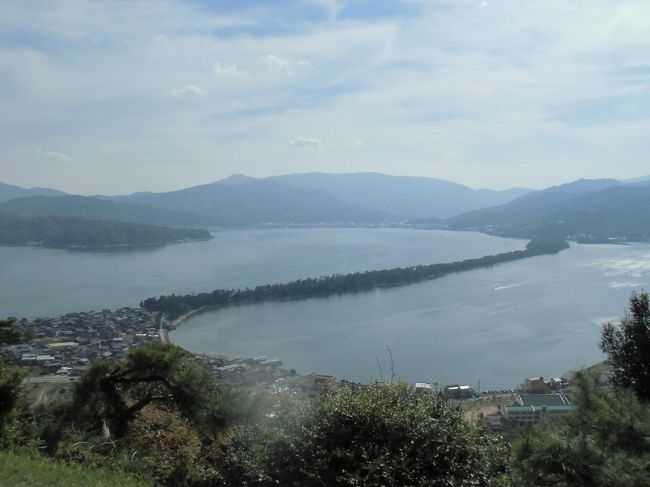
<point>167,444</point>
<point>10,391</point>
<point>27,469</point>
<point>174,305</point>
<point>8,336</point>
<point>383,435</point>
<point>628,347</point>
<point>112,394</point>
<point>605,443</point>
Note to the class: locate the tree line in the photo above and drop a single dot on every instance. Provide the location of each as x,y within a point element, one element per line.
<point>175,305</point>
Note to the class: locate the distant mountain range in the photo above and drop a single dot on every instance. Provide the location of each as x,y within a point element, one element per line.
<point>586,210</point>
<point>257,202</point>
<point>325,198</point>
<point>401,197</point>
<point>8,192</point>
<point>313,198</point>
<point>590,210</point>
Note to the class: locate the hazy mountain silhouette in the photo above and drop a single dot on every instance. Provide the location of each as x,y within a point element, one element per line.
<point>239,201</point>
<point>71,206</point>
<point>9,192</point>
<point>589,210</point>
<point>401,196</point>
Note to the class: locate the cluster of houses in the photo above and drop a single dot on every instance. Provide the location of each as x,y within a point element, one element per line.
<point>65,345</point>
<point>246,371</point>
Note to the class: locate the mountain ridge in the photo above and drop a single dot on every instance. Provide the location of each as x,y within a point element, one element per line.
<point>401,197</point>
<point>9,192</point>
<point>585,210</point>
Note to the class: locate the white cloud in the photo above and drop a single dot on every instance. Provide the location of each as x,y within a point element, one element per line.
<point>189,90</point>
<point>225,70</point>
<point>289,67</point>
<point>59,156</point>
<point>306,143</point>
<point>507,90</point>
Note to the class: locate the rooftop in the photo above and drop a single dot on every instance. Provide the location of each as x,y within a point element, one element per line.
<point>542,400</point>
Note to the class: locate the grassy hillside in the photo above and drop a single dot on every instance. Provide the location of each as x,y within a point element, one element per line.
<point>21,469</point>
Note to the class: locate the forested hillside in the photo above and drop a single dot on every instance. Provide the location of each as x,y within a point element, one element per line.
<point>589,211</point>
<point>72,206</point>
<point>80,232</point>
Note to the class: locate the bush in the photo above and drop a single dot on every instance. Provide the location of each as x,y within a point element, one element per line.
<point>384,435</point>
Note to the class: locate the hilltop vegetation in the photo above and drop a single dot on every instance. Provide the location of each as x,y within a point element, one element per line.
<point>159,417</point>
<point>28,469</point>
<point>605,444</point>
<point>382,434</point>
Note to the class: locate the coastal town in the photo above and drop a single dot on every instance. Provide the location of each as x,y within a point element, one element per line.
<point>58,350</point>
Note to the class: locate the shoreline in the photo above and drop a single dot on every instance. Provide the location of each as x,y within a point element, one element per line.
<point>176,322</point>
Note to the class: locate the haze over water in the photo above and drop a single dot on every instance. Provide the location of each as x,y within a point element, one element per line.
<point>535,316</point>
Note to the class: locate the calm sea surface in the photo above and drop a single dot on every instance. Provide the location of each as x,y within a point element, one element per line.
<point>538,316</point>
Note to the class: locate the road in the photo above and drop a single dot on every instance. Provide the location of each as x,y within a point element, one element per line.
<point>50,379</point>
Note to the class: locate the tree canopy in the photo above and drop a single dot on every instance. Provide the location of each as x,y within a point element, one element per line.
<point>110,395</point>
<point>10,390</point>
<point>606,443</point>
<point>385,435</point>
<point>8,335</point>
<point>628,347</point>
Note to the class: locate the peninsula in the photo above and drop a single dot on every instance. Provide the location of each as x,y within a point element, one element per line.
<point>176,305</point>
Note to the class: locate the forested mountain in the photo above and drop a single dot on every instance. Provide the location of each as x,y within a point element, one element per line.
<point>590,209</point>
<point>531,206</point>
<point>257,202</point>
<point>70,206</point>
<point>79,232</point>
<point>595,210</point>
<point>291,199</point>
<point>401,197</point>
<point>9,192</point>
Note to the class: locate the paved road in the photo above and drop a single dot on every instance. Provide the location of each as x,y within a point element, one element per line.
<point>50,379</point>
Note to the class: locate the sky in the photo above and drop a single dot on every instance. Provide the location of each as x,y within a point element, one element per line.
<point>120,96</point>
